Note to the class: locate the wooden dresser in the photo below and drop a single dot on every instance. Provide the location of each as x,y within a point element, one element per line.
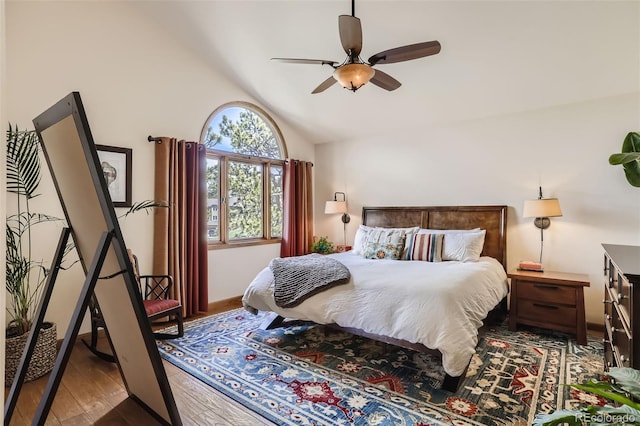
<point>621,305</point>
<point>552,300</point>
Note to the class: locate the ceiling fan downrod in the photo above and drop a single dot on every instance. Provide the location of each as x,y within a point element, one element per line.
<point>353,8</point>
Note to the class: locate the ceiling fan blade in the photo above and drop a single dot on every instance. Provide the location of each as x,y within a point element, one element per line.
<point>406,53</point>
<point>384,80</point>
<point>324,85</point>
<point>305,61</point>
<point>350,34</point>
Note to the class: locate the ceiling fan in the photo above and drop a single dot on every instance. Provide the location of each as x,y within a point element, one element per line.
<point>353,72</point>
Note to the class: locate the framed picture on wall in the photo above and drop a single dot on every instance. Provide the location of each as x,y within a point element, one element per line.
<point>116,166</point>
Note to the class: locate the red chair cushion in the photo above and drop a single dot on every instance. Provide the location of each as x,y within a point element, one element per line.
<point>153,307</point>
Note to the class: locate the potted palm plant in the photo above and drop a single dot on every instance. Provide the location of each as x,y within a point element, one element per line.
<point>25,276</point>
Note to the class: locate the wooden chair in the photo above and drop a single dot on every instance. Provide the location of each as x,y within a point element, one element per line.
<point>156,291</point>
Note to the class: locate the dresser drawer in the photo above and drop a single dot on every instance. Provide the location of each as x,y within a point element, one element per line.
<point>609,356</point>
<point>610,273</point>
<point>622,302</point>
<point>547,312</point>
<point>625,296</point>
<point>608,303</point>
<point>620,338</point>
<point>547,293</point>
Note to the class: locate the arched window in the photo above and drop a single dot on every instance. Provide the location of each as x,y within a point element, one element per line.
<point>245,155</point>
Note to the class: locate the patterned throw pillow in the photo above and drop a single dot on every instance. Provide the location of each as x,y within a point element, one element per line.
<point>385,237</point>
<point>425,247</point>
<point>375,250</point>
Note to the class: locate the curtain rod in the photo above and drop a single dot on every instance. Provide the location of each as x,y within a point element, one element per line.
<point>154,139</point>
<point>289,160</point>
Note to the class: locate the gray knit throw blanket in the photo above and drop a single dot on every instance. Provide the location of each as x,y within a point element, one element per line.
<point>300,277</point>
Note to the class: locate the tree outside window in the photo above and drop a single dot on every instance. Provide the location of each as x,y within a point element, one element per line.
<point>245,155</point>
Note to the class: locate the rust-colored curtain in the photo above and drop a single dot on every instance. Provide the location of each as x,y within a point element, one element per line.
<point>180,231</point>
<point>297,232</point>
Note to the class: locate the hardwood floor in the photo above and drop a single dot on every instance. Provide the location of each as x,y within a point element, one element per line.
<point>92,392</point>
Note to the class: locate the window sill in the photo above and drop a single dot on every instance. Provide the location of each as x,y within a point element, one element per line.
<point>243,243</point>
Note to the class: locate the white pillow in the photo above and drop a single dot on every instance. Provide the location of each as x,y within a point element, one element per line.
<point>360,239</point>
<point>463,246</point>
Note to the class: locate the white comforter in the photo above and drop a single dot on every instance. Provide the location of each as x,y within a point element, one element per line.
<point>438,304</point>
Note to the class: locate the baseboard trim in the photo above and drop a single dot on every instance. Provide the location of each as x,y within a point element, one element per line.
<point>225,305</point>
<point>595,327</point>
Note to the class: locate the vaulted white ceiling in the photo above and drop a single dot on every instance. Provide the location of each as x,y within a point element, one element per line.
<point>497,58</point>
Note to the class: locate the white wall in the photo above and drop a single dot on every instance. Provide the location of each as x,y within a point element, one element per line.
<point>134,80</point>
<point>503,160</point>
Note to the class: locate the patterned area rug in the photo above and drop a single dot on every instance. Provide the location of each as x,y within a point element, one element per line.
<point>312,375</point>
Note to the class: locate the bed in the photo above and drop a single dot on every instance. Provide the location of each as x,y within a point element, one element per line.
<point>426,306</point>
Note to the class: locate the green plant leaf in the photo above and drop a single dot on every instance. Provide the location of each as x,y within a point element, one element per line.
<point>23,162</point>
<point>631,142</point>
<point>560,417</point>
<point>145,205</point>
<point>632,173</point>
<point>606,390</point>
<point>616,159</point>
<point>627,379</point>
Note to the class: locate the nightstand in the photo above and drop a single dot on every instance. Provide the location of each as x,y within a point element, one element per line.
<point>552,300</point>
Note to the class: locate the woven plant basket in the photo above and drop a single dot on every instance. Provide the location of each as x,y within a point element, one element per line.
<point>42,360</point>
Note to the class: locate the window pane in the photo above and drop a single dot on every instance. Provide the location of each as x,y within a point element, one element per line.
<point>213,199</point>
<point>276,201</point>
<point>245,200</point>
<point>243,131</point>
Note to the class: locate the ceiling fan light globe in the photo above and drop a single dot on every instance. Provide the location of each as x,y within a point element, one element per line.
<point>353,76</point>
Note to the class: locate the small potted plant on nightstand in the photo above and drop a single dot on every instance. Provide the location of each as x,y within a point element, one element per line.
<point>322,245</point>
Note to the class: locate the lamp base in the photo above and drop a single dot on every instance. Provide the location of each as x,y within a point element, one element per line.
<point>542,222</point>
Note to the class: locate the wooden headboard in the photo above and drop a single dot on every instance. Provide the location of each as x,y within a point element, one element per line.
<point>491,218</point>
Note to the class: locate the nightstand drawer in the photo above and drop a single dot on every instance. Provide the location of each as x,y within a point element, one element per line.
<point>547,312</point>
<point>543,292</point>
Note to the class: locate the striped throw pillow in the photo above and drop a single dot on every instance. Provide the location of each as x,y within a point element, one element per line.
<point>425,247</point>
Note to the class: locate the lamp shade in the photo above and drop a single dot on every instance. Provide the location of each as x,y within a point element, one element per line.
<point>332,207</point>
<point>353,76</point>
<point>545,207</point>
